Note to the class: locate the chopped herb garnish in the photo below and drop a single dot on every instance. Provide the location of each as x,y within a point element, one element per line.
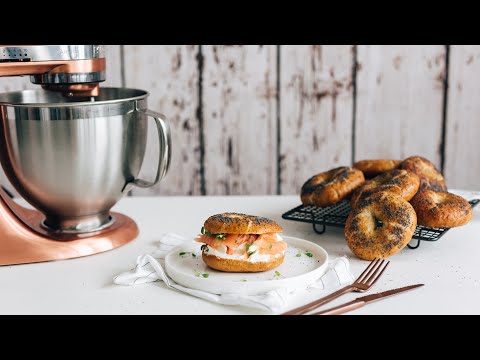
<point>199,274</point>
<point>277,273</point>
<point>243,280</point>
<point>298,255</point>
<point>270,246</point>
<point>183,254</point>
<point>250,253</point>
<point>216,236</point>
<point>308,253</point>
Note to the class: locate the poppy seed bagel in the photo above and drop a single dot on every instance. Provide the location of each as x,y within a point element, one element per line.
<point>367,239</point>
<point>397,182</point>
<point>235,223</point>
<point>430,177</point>
<point>372,168</point>
<point>331,187</point>
<point>441,209</point>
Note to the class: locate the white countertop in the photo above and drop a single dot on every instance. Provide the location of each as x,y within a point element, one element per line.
<point>449,268</point>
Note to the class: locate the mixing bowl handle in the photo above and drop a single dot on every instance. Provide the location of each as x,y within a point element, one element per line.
<point>165,145</point>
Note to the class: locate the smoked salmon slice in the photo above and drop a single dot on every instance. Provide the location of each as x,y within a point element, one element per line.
<point>231,241</point>
<point>266,243</point>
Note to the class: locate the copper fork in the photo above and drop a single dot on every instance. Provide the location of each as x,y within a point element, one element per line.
<point>364,282</point>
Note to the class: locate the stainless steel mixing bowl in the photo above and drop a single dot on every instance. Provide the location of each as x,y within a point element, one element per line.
<point>73,159</point>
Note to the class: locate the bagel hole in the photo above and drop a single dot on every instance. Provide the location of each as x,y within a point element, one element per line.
<point>444,200</point>
<point>439,198</point>
<point>378,223</point>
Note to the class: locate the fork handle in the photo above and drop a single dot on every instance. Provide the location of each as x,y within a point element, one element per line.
<point>322,301</point>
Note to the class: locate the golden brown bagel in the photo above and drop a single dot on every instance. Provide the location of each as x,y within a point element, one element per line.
<point>234,223</point>
<point>230,265</point>
<point>330,187</point>
<point>441,209</point>
<point>372,168</point>
<point>430,177</point>
<point>366,240</point>
<point>396,182</point>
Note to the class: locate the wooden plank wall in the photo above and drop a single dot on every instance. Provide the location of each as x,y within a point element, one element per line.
<point>170,74</point>
<point>239,119</point>
<point>316,99</point>
<point>255,119</point>
<point>400,101</point>
<point>462,161</point>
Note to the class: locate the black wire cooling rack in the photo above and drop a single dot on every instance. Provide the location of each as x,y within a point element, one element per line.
<point>336,215</point>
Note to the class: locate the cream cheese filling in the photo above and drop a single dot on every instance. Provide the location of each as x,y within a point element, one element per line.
<point>221,252</point>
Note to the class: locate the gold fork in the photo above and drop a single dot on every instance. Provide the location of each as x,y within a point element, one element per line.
<point>364,282</point>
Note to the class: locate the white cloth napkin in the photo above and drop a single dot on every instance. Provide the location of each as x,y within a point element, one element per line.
<point>149,269</point>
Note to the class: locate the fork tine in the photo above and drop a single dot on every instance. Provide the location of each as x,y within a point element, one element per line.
<point>374,268</point>
<point>372,276</point>
<point>378,276</point>
<point>360,277</point>
<point>372,271</point>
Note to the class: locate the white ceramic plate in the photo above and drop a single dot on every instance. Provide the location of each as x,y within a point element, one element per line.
<point>186,267</point>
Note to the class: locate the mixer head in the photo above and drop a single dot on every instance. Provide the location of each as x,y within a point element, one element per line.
<point>74,70</point>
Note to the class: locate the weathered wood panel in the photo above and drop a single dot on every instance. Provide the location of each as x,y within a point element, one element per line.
<point>239,112</point>
<point>113,75</point>
<point>398,112</point>
<point>462,162</point>
<point>170,74</point>
<point>399,101</point>
<point>316,101</point>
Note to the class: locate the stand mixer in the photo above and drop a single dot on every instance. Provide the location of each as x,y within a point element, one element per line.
<point>72,150</point>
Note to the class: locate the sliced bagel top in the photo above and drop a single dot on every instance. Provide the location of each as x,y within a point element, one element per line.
<point>235,223</point>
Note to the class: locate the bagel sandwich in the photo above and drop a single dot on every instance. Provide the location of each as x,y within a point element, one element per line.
<point>235,242</point>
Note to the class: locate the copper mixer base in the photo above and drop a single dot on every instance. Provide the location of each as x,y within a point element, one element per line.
<point>23,240</point>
